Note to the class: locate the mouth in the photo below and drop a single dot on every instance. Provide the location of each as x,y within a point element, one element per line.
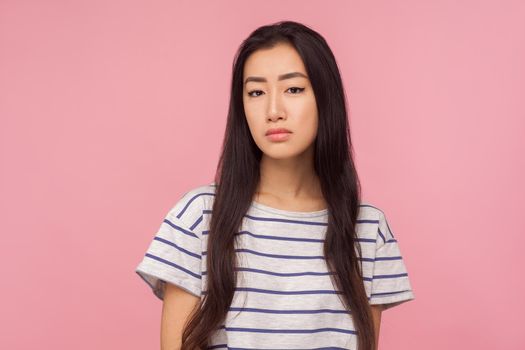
<point>277,131</point>
<point>279,136</point>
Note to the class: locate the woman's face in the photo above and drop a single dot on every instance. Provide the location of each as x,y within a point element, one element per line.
<point>277,94</point>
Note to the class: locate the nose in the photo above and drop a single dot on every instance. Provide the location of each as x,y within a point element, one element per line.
<point>275,108</point>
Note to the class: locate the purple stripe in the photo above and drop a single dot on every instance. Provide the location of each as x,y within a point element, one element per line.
<point>261,330</point>
<point>160,239</point>
<point>196,223</point>
<point>290,221</point>
<point>183,230</point>
<point>397,275</point>
<point>389,230</point>
<point>368,221</point>
<point>269,311</point>
<point>385,294</point>
<point>295,239</point>
<point>381,234</point>
<point>263,218</point>
<point>295,274</point>
<point>302,292</point>
<point>379,258</point>
<point>179,215</point>
<point>277,256</point>
<point>291,274</point>
<point>242,250</point>
<point>294,292</point>
<point>324,348</point>
<point>278,238</point>
<point>174,265</point>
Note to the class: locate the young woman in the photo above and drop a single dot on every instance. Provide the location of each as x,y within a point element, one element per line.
<point>279,251</point>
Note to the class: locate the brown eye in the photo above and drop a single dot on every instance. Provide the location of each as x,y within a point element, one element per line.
<point>296,88</point>
<point>250,93</point>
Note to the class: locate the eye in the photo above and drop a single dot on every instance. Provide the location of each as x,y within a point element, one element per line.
<point>250,93</point>
<point>296,88</point>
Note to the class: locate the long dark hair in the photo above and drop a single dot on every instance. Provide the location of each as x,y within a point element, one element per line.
<point>238,175</point>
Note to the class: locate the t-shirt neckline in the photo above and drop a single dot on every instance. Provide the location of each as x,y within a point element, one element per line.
<point>290,213</point>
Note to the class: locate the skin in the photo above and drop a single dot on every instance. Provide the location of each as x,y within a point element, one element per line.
<point>176,309</point>
<point>276,103</point>
<point>376,316</point>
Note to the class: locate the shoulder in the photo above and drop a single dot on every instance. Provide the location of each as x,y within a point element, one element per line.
<point>370,211</point>
<point>374,218</point>
<point>189,208</point>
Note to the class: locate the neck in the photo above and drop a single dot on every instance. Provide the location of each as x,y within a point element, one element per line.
<point>289,179</point>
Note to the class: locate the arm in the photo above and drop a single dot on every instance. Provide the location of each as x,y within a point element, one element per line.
<point>376,315</point>
<point>177,306</point>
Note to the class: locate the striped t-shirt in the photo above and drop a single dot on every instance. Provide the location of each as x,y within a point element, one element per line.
<point>284,298</point>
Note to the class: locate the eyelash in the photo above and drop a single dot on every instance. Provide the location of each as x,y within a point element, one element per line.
<point>294,87</point>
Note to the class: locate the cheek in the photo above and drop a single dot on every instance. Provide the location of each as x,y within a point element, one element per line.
<point>255,118</point>
<point>311,128</point>
<point>305,108</point>
<point>307,119</point>
<point>254,124</point>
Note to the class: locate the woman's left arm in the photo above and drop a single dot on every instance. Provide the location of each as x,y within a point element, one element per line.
<point>376,315</point>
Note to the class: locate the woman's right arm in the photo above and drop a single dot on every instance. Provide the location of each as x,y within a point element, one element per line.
<point>176,308</point>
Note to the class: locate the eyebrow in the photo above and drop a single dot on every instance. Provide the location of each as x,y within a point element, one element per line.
<point>280,77</point>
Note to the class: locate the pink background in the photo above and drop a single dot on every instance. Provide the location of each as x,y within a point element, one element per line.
<point>110,110</point>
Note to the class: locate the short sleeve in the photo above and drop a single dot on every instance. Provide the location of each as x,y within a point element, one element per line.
<point>390,281</point>
<point>175,253</point>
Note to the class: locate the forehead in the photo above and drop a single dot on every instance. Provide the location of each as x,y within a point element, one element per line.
<point>270,63</point>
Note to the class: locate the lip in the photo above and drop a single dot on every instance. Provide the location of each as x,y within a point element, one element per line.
<point>277,131</point>
<point>282,136</point>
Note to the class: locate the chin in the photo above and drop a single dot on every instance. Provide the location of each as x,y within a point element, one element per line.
<point>282,154</point>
